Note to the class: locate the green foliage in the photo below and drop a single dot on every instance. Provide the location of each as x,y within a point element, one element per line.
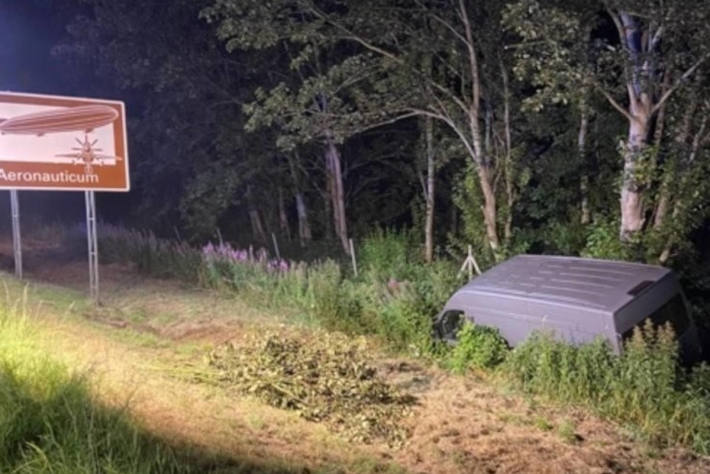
<point>468,199</point>
<point>386,254</point>
<point>478,347</point>
<point>603,241</point>
<point>645,387</point>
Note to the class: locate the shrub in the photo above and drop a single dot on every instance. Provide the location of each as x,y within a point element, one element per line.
<point>385,254</point>
<point>645,387</point>
<point>477,347</point>
<point>403,325</point>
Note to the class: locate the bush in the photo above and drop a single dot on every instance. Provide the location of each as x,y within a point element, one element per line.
<point>385,254</point>
<point>478,347</point>
<point>645,387</point>
<point>403,325</point>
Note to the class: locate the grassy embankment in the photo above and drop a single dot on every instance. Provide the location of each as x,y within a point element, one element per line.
<point>49,422</point>
<point>394,298</point>
<point>53,420</point>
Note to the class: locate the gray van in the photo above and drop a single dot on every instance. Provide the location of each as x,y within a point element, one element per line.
<point>577,299</point>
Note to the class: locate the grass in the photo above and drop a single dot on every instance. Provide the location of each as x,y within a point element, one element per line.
<point>645,388</point>
<point>394,299</point>
<point>50,423</point>
<point>153,383</point>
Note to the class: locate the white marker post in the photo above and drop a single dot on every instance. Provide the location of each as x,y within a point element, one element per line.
<point>16,236</point>
<point>352,256</point>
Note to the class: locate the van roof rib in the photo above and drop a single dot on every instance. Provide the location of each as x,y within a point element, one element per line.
<point>584,282</point>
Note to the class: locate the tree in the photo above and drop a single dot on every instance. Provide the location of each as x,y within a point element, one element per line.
<point>657,48</point>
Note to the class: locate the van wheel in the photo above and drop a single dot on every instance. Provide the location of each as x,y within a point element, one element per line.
<point>447,325</point>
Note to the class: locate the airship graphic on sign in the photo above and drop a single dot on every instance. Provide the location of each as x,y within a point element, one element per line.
<point>53,142</point>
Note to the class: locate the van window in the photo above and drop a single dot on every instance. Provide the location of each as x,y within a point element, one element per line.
<point>673,311</point>
<point>449,324</point>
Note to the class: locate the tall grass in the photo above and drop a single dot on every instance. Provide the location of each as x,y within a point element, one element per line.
<point>645,388</point>
<point>394,298</point>
<point>153,256</point>
<point>50,423</point>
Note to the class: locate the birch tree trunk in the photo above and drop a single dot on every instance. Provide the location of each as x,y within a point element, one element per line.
<point>632,187</point>
<point>640,113</point>
<point>304,228</point>
<point>283,218</point>
<point>334,169</point>
<point>508,162</point>
<point>582,156</point>
<point>481,160</point>
<point>429,190</point>
<point>257,228</point>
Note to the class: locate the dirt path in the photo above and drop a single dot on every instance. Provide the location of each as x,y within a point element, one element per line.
<point>146,343</point>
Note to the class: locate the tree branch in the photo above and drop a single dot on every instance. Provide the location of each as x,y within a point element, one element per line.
<point>679,82</point>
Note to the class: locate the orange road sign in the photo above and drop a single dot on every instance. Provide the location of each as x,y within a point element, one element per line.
<point>62,143</point>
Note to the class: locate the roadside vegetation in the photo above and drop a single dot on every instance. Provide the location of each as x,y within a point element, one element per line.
<point>49,422</point>
<point>394,299</point>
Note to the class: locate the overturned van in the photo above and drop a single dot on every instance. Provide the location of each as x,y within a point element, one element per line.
<point>577,299</point>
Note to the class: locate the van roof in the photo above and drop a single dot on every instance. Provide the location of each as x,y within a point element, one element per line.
<point>572,281</point>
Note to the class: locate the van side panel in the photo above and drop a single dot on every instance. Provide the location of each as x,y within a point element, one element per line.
<point>646,303</point>
<point>517,318</point>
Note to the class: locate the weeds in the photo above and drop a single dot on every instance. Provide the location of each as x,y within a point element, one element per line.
<point>645,387</point>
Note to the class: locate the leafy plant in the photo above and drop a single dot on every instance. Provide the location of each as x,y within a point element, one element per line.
<point>477,346</point>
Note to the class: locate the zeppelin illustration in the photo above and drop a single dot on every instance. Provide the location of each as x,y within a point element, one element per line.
<point>84,118</point>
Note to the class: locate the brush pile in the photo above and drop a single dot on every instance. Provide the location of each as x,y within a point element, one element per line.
<point>326,377</point>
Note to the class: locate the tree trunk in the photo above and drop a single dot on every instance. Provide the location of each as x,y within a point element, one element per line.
<point>328,202</point>
<point>632,187</point>
<point>485,176</point>
<point>283,218</point>
<point>257,227</point>
<point>304,228</point>
<point>333,166</point>
<point>429,191</point>
<point>582,155</point>
<point>509,188</point>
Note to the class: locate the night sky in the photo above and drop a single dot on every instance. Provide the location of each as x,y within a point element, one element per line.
<point>28,31</point>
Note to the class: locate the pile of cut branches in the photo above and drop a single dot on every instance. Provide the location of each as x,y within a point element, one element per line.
<point>326,377</point>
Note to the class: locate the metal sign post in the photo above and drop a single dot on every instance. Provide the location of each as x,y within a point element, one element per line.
<point>92,242</point>
<point>58,143</point>
<point>16,236</point>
